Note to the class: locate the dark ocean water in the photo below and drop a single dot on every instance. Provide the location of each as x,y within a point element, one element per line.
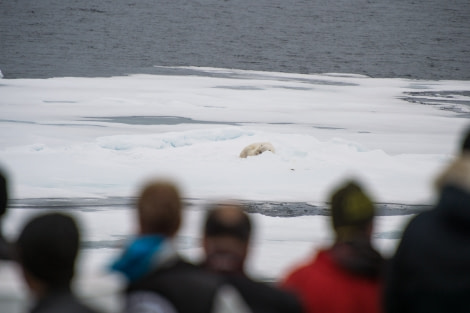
<point>424,39</point>
<point>268,208</point>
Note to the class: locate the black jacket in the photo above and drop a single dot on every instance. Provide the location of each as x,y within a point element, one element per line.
<point>262,297</point>
<point>5,249</point>
<point>186,287</point>
<point>60,301</point>
<point>430,271</point>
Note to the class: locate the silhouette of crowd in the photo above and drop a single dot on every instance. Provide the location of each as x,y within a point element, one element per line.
<point>429,271</point>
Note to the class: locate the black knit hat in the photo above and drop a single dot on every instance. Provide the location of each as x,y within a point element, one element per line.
<point>47,248</point>
<point>351,208</point>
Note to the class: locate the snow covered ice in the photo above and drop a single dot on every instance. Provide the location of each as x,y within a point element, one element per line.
<point>103,137</point>
<point>72,137</point>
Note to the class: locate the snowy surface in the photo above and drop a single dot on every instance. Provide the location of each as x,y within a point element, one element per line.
<point>104,137</point>
<point>87,137</point>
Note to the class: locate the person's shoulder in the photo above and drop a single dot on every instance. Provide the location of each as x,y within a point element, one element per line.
<point>309,265</point>
<point>194,271</point>
<point>63,302</point>
<point>320,268</point>
<point>297,273</point>
<point>272,290</point>
<point>243,282</point>
<point>265,296</point>
<point>420,222</point>
<point>178,273</point>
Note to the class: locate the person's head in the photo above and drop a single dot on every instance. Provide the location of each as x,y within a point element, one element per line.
<point>3,194</point>
<point>352,212</point>
<point>457,172</point>
<point>159,208</point>
<point>227,232</point>
<point>46,250</point>
<point>465,143</point>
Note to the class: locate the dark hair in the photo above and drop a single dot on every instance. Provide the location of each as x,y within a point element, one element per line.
<point>228,220</point>
<point>47,248</point>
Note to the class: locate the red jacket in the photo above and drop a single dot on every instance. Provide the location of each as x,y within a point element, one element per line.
<point>324,287</point>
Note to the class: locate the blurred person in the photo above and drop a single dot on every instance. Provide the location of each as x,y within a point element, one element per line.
<point>346,277</point>
<point>465,143</point>
<point>226,242</point>
<point>430,271</point>
<point>46,250</point>
<point>12,291</point>
<point>159,279</point>
<point>5,247</point>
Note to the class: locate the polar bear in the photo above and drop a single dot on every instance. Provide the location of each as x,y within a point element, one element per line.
<point>256,148</point>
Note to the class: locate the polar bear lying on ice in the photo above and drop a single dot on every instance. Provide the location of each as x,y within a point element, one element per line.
<point>256,148</point>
